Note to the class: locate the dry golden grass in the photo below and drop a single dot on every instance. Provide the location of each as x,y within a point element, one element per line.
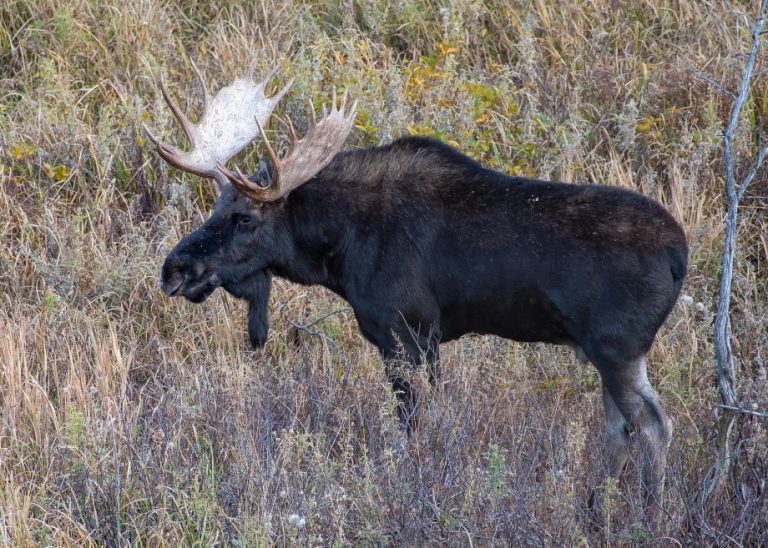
<point>127,417</point>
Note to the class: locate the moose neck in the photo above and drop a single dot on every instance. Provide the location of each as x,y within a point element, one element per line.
<point>317,221</point>
<point>336,223</point>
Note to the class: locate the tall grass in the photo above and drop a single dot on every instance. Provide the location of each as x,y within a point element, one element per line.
<point>126,417</point>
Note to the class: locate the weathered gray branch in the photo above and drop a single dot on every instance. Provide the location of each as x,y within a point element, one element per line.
<point>752,172</point>
<point>726,371</point>
<point>306,328</point>
<point>709,80</point>
<point>743,410</point>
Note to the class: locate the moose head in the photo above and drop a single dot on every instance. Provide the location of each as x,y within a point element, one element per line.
<point>234,247</point>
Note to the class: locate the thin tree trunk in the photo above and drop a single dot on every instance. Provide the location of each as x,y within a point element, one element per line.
<point>726,364</point>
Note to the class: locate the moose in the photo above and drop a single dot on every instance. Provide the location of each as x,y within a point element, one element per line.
<point>426,245</point>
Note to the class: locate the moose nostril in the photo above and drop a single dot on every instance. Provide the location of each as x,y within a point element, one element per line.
<point>172,283</point>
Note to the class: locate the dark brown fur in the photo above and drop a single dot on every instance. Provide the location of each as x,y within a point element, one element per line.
<point>427,245</point>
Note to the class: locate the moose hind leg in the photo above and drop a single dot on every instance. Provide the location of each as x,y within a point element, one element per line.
<point>616,436</point>
<point>649,426</point>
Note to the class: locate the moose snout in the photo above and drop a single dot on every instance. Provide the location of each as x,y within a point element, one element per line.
<point>171,280</point>
<point>188,276</point>
<point>175,272</point>
<point>171,285</point>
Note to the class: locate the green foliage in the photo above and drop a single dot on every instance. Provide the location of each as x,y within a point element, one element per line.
<point>640,534</point>
<point>332,328</point>
<point>496,478</point>
<point>64,26</point>
<point>74,427</point>
<point>591,380</point>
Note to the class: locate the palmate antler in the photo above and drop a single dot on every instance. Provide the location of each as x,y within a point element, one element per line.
<point>305,159</point>
<point>229,121</point>
<point>236,116</point>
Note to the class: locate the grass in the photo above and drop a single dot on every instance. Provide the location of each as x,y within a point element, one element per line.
<point>127,417</point>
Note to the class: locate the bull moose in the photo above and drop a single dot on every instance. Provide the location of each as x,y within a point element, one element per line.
<point>427,245</point>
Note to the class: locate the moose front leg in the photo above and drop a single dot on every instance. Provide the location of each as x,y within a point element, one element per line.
<point>412,351</point>
<point>407,395</point>
<point>403,346</point>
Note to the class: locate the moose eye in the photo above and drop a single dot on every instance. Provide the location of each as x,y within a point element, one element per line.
<point>244,219</point>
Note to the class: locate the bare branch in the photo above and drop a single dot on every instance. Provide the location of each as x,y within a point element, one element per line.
<point>752,172</point>
<point>725,371</point>
<point>742,410</point>
<point>711,82</point>
<point>726,364</point>
<point>306,328</point>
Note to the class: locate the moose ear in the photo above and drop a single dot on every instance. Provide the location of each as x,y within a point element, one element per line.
<point>264,175</point>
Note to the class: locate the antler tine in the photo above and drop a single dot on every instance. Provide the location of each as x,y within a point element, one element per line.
<point>312,113</point>
<point>270,152</point>
<point>166,151</point>
<point>344,100</point>
<point>352,113</point>
<point>276,98</point>
<point>272,72</point>
<point>267,79</point>
<point>247,187</point>
<point>151,135</point>
<point>180,116</point>
<point>240,181</point>
<point>206,96</point>
<point>162,148</point>
<point>292,131</point>
<point>170,153</point>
